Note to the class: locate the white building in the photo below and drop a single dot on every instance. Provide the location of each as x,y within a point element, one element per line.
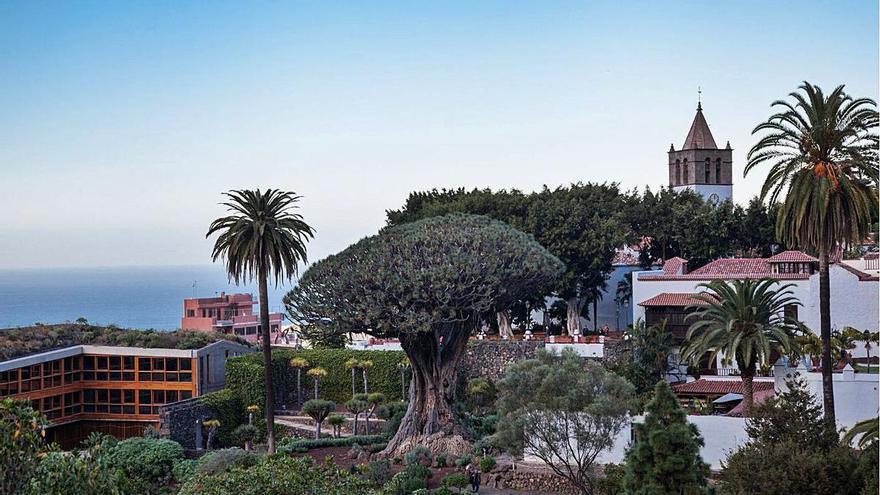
<point>663,294</point>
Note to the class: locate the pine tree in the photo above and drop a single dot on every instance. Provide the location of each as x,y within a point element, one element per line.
<point>665,458</point>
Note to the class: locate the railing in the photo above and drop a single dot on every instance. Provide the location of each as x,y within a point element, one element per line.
<point>731,372</point>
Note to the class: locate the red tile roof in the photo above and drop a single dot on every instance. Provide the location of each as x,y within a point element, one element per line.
<point>735,266</point>
<point>792,257</point>
<point>671,299</point>
<point>864,277</point>
<point>699,136</point>
<point>718,387</point>
<point>759,397</point>
<point>674,266</point>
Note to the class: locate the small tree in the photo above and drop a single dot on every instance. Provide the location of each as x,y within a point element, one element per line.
<point>665,459</point>
<point>336,421</point>
<point>318,410</point>
<point>211,425</point>
<point>374,401</point>
<point>352,364</point>
<point>403,366</point>
<point>251,410</point>
<point>365,365</point>
<point>356,406</point>
<point>317,374</point>
<point>299,364</point>
<point>563,410</point>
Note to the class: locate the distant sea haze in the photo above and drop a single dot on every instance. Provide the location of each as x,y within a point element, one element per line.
<point>130,297</point>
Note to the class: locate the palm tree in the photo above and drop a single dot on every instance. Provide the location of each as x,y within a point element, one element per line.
<point>823,152</point>
<point>868,432</point>
<point>299,364</point>
<point>353,364</point>
<point>262,237</point>
<point>741,320</point>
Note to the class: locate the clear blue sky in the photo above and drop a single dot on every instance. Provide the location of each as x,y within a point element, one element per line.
<point>122,122</point>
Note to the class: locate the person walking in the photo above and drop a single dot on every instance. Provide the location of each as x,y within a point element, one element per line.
<point>473,474</point>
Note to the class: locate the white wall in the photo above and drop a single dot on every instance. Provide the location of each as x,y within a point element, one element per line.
<point>582,350</point>
<point>853,302</point>
<point>855,394</point>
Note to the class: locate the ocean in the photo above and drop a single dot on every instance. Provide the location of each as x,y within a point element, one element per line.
<point>130,297</point>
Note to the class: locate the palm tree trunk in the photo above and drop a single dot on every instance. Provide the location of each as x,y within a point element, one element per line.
<point>364,373</point>
<point>595,315</point>
<point>267,360</point>
<point>748,393</point>
<point>825,334</point>
<point>316,387</point>
<point>299,387</point>
<point>573,315</point>
<point>353,391</point>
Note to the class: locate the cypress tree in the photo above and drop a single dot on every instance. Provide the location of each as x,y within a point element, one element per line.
<point>665,458</point>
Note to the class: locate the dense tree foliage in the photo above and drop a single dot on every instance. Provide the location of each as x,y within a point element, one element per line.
<point>643,356</point>
<point>564,410</point>
<point>665,459</point>
<point>583,224</point>
<point>792,448</point>
<point>429,283</point>
<point>21,443</point>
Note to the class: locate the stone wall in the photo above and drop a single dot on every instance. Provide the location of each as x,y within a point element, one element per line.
<point>489,358</point>
<point>528,479</point>
<point>177,421</point>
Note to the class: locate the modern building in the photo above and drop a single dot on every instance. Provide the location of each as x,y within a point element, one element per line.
<point>700,165</point>
<point>115,390</point>
<point>228,313</point>
<point>664,295</point>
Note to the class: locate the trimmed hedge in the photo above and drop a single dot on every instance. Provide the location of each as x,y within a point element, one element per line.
<point>303,445</point>
<point>244,375</point>
<point>230,410</point>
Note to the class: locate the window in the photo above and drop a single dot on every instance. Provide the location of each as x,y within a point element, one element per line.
<point>708,171</point>
<point>718,171</point>
<point>108,401</point>
<point>190,313</point>
<point>791,311</point>
<point>684,172</point>
<point>677,178</point>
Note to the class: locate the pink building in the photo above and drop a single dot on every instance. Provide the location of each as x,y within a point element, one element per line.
<point>232,314</point>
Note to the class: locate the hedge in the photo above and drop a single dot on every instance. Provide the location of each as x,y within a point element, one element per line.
<point>230,410</point>
<point>302,445</point>
<point>244,375</point>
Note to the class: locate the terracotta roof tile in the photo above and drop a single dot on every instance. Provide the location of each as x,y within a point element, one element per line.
<point>675,266</point>
<point>735,266</point>
<point>792,257</point>
<point>718,387</point>
<point>671,299</point>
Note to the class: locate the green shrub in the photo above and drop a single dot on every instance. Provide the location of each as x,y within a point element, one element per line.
<point>376,447</point>
<point>379,472</point>
<point>244,374</point>
<point>279,475</point>
<point>403,484</point>
<point>463,461</point>
<point>440,460</point>
<point>229,409</point>
<point>442,491</point>
<point>146,459</point>
<point>21,443</point>
<point>612,482</point>
<point>419,455</point>
<point>184,469</point>
<point>487,463</point>
<point>62,473</point>
<point>222,460</point>
<point>392,413</point>
<point>289,445</point>
<point>454,480</point>
<point>244,433</point>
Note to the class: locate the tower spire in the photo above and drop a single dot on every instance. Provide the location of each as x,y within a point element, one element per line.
<point>699,99</point>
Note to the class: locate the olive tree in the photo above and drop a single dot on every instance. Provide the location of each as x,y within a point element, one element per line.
<point>428,283</point>
<point>563,410</point>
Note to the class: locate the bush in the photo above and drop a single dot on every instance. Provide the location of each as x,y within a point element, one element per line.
<point>454,480</point>
<point>289,445</point>
<point>440,460</point>
<point>184,469</point>
<point>419,455</point>
<point>392,413</point>
<point>145,459</point>
<point>21,442</point>
<point>244,374</point>
<point>463,461</point>
<point>229,409</point>
<point>612,482</point>
<point>63,473</point>
<point>223,460</point>
<point>244,433</point>
<point>487,463</point>
<point>379,472</point>
<point>279,475</point>
<point>403,484</point>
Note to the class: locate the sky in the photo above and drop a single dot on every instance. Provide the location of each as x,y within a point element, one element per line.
<point>121,123</point>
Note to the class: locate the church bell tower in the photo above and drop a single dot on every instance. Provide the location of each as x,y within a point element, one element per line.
<point>700,165</point>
